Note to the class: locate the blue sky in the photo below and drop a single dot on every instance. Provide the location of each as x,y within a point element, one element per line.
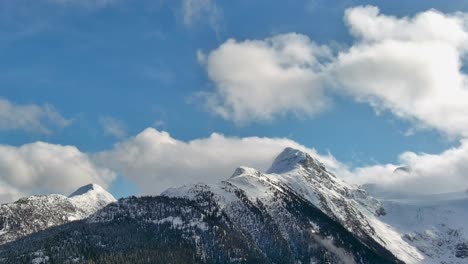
<point>111,69</point>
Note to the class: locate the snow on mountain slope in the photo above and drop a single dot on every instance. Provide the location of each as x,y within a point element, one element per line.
<point>295,173</point>
<point>35,213</point>
<point>281,224</point>
<point>91,198</point>
<point>348,204</point>
<point>297,212</point>
<point>435,224</point>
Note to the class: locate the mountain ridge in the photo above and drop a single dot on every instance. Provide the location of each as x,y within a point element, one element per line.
<point>38,212</point>
<point>297,211</point>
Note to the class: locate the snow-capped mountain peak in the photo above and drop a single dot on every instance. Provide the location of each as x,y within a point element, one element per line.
<point>245,170</point>
<point>91,197</point>
<point>298,212</point>
<point>35,213</point>
<point>290,159</point>
<point>296,174</point>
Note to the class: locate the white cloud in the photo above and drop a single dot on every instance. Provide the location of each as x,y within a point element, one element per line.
<point>409,66</point>
<point>30,117</point>
<point>155,161</point>
<point>194,11</point>
<point>39,167</point>
<point>113,127</point>
<point>257,80</point>
<point>8,193</point>
<point>425,174</point>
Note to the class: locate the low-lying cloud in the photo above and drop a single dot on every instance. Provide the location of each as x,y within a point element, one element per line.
<point>155,161</point>
<point>423,174</point>
<point>409,66</point>
<point>41,168</point>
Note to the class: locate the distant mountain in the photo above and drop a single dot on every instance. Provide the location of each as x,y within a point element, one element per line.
<point>91,198</point>
<point>297,212</point>
<point>437,225</point>
<point>35,213</point>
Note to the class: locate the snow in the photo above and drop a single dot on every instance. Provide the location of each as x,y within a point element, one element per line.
<point>435,224</point>
<point>35,213</point>
<point>245,170</point>
<point>39,257</point>
<point>309,184</point>
<point>177,222</point>
<point>91,198</point>
<point>308,178</point>
<point>40,260</point>
<point>288,160</point>
<point>423,229</point>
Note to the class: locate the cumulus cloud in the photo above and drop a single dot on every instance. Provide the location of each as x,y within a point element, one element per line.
<point>8,193</point>
<point>423,174</point>
<point>39,168</point>
<point>156,161</point>
<point>410,66</point>
<point>257,80</point>
<point>30,117</point>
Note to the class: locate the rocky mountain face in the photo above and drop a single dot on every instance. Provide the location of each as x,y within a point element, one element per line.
<point>35,213</point>
<point>297,212</point>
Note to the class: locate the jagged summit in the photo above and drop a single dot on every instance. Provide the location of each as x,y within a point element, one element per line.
<point>244,170</point>
<point>290,159</point>
<point>297,213</point>
<point>86,188</point>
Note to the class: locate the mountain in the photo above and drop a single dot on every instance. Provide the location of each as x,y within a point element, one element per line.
<point>437,225</point>
<point>35,213</point>
<point>296,174</point>
<point>91,198</point>
<point>296,212</point>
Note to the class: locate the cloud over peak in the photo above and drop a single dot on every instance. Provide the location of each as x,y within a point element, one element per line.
<point>423,173</point>
<point>39,167</point>
<point>155,161</point>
